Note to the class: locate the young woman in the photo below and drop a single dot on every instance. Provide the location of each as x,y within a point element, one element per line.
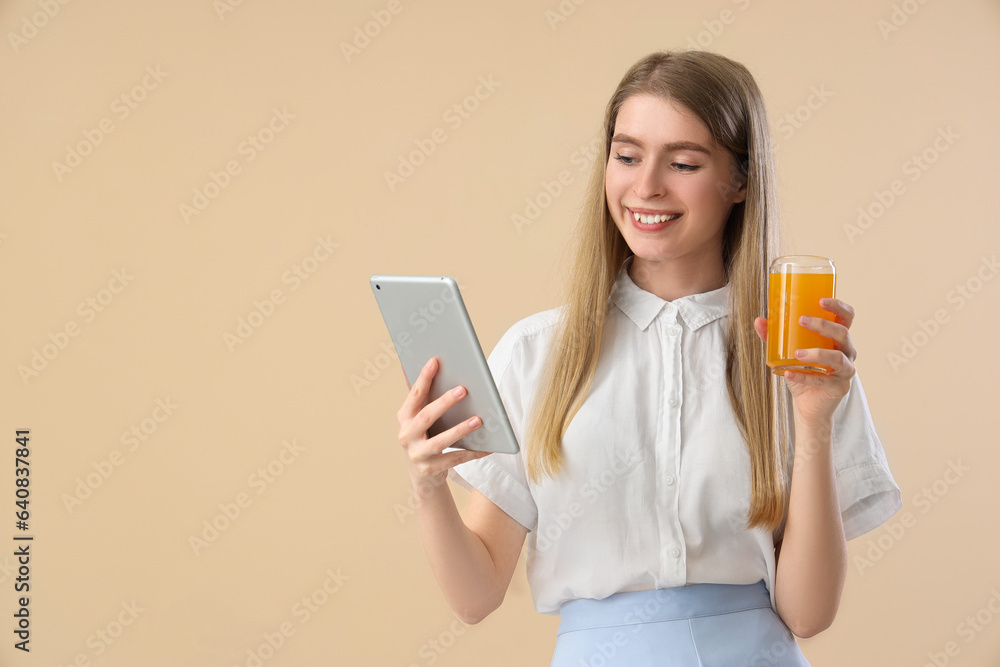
<point>681,504</point>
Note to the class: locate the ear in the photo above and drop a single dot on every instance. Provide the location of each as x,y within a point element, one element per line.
<point>741,194</point>
<point>738,175</point>
<point>729,192</point>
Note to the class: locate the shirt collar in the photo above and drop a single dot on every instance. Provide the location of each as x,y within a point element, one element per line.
<point>642,307</point>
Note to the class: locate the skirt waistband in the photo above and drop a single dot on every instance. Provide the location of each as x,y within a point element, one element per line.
<point>662,604</point>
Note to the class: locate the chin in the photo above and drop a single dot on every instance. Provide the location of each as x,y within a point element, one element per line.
<point>660,253</point>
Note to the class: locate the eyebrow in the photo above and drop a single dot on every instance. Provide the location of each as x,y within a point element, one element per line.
<point>672,146</point>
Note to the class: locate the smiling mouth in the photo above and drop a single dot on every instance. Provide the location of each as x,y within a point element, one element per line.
<point>652,219</point>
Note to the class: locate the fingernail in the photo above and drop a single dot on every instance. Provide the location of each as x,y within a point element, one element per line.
<point>475,421</point>
<point>800,353</point>
<point>458,391</point>
<point>804,319</point>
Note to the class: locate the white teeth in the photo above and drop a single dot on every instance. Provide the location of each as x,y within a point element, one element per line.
<point>652,219</point>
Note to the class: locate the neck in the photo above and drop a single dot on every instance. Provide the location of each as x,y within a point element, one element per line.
<point>671,280</point>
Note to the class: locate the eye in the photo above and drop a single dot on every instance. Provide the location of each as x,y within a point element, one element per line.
<point>624,159</point>
<point>685,167</point>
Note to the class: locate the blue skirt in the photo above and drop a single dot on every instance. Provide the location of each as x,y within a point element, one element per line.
<point>702,624</point>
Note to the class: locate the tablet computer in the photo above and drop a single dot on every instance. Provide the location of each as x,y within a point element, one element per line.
<point>426,317</point>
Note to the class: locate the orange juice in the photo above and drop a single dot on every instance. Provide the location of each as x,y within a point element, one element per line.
<point>791,295</point>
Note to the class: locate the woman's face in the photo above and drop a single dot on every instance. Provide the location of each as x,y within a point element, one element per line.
<point>669,186</point>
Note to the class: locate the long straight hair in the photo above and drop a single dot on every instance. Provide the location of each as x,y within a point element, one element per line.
<point>724,95</point>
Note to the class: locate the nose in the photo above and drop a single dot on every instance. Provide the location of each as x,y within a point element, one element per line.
<point>649,182</point>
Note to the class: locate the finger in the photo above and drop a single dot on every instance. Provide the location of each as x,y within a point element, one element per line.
<point>843,311</point>
<point>835,359</point>
<point>810,379</point>
<point>449,437</point>
<point>416,428</point>
<point>418,392</point>
<point>828,382</point>
<point>452,459</point>
<point>760,326</point>
<point>835,331</point>
<point>431,450</point>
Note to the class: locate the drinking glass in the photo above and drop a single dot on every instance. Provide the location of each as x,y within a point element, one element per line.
<point>795,285</point>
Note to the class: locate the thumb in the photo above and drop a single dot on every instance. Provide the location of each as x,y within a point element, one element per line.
<point>760,326</point>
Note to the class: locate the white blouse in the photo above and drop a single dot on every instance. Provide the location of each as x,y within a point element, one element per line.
<point>656,480</point>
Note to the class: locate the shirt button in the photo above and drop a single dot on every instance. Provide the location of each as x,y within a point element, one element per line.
<point>670,308</point>
<point>670,480</point>
<point>673,402</point>
<point>674,330</point>
<point>675,552</point>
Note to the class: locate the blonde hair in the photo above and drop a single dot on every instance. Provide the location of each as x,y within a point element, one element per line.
<point>723,94</point>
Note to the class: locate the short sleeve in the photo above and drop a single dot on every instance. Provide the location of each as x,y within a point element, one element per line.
<point>869,496</point>
<point>501,477</point>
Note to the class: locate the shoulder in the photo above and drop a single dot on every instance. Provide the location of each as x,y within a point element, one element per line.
<point>526,340</point>
<point>533,326</point>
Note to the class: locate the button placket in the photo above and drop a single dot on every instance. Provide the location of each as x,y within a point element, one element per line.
<point>674,570</point>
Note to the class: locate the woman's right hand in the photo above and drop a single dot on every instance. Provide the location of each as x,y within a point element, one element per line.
<point>428,465</point>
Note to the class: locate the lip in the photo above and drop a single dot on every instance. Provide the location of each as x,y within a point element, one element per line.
<point>651,228</point>
<point>649,211</point>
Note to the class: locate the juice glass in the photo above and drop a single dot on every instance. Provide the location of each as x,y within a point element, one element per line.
<point>795,285</point>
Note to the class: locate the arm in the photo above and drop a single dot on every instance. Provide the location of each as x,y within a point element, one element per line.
<point>473,564</point>
<point>812,557</point>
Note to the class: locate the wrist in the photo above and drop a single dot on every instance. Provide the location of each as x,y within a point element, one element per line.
<point>424,487</point>
<point>812,437</point>
<point>814,424</point>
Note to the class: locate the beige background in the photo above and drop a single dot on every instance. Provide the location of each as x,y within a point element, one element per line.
<point>335,511</point>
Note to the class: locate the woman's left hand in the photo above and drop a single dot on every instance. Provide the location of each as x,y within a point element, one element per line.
<point>815,397</point>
